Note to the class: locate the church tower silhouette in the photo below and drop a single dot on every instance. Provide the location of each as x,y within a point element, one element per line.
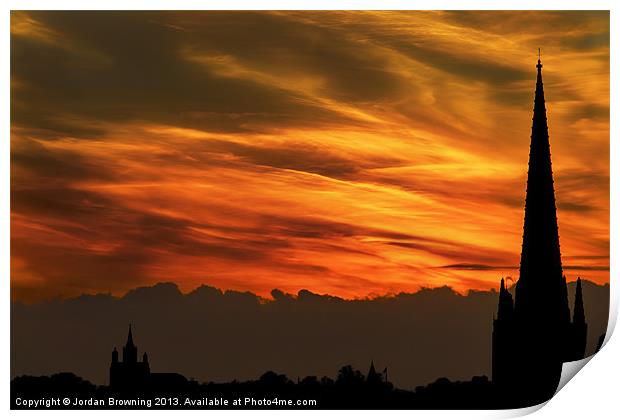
<point>129,373</point>
<point>533,337</point>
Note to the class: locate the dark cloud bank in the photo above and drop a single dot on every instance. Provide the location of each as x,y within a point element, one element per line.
<point>218,336</point>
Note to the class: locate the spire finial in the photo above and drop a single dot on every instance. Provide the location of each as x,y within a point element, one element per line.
<point>539,65</point>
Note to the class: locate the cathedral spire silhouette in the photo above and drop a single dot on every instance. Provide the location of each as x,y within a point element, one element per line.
<point>531,342</point>
<point>541,289</point>
<point>541,265</point>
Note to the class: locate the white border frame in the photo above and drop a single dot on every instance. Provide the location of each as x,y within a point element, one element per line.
<point>593,394</point>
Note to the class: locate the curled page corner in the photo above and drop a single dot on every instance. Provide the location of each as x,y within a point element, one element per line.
<point>569,370</point>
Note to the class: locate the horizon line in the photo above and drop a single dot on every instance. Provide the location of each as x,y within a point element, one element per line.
<point>271,298</point>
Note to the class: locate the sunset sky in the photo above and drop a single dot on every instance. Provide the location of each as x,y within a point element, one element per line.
<point>349,153</point>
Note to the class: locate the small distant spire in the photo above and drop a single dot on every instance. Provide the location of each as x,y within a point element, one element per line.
<point>502,285</point>
<point>372,371</point>
<point>129,337</point>
<point>373,377</point>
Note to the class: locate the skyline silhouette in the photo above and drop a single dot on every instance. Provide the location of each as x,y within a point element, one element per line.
<point>322,332</point>
<point>132,385</point>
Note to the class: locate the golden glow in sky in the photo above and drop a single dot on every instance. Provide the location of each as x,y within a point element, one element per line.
<point>349,153</point>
